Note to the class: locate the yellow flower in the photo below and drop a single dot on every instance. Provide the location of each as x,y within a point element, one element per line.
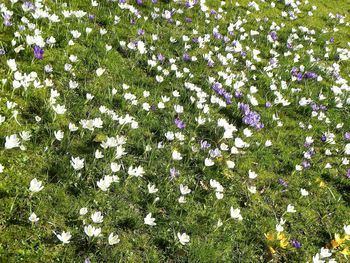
<point>322,184</point>
<point>337,241</point>
<point>283,243</point>
<point>281,236</point>
<point>345,252</point>
<point>272,251</point>
<point>269,236</point>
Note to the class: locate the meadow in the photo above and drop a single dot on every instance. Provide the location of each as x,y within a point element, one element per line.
<point>175,131</point>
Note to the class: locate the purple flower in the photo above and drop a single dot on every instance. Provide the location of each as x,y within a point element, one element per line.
<point>289,46</point>
<point>273,35</point>
<point>7,19</point>
<point>38,52</point>
<point>160,57</point>
<point>282,182</point>
<point>310,75</point>
<point>139,2</point>
<point>210,64</point>
<point>323,138</point>
<point>347,135</point>
<point>296,243</point>
<point>188,20</point>
<point>205,144</point>
<point>140,32</point>
<point>268,104</point>
<point>348,173</point>
<point>306,164</point>
<point>179,123</point>
<point>331,40</point>
<point>217,87</point>
<point>186,57</point>
<point>238,94</point>
<point>91,16</point>
<point>2,52</point>
<point>174,173</point>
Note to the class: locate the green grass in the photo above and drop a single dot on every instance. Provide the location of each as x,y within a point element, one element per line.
<point>319,216</point>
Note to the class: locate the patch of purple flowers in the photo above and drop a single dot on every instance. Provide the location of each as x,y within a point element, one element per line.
<point>250,118</point>
<point>217,87</point>
<point>38,52</point>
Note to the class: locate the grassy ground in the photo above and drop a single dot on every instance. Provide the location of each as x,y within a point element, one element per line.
<point>318,217</point>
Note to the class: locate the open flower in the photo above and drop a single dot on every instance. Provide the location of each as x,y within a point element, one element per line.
<point>183,238</point>
<point>64,237</point>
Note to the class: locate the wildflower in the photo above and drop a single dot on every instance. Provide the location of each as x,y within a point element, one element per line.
<point>38,52</point>
<point>35,186</point>
<point>33,218</point>
<point>77,163</point>
<point>91,231</point>
<point>183,238</point>
<point>97,217</point>
<point>149,220</point>
<point>236,213</point>
<point>296,243</point>
<point>12,141</point>
<point>64,237</point>
<point>113,239</point>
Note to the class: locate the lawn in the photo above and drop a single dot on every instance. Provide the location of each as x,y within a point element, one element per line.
<point>175,131</point>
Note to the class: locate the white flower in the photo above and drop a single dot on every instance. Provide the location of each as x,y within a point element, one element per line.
<point>12,141</point>
<point>176,155</point>
<point>268,143</point>
<point>208,162</point>
<point>1,168</point>
<point>99,72</point>
<point>252,175</point>
<point>59,135</point>
<point>347,149</point>
<point>33,218</point>
<point>252,189</point>
<point>83,211</point>
<point>325,253</point>
<point>64,237</point>
<point>104,183</point>
<point>236,213</point>
<point>303,192</point>
<point>230,164</point>
<point>152,188</point>
<point>77,163</point>
<point>239,143</point>
<point>183,238</point>
<point>97,217</point>
<point>113,239</point>
<point>59,109</point>
<point>92,231</point>
<point>149,220</point>
<point>184,189</point>
<point>137,171</point>
<point>291,209</point>
<point>279,228</point>
<point>35,186</point>
<point>347,229</point>
<point>115,167</point>
<point>12,64</point>
<point>25,135</point>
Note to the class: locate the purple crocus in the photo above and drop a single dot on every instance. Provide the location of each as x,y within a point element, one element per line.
<point>7,19</point>
<point>2,52</point>
<point>273,35</point>
<point>140,32</point>
<point>296,243</point>
<point>139,2</point>
<point>186,57</point>
<point>310,75</point>
<point>179,123</point>
<point>38,52</point>
<point>282,182</point>
<point>347,135</point>
<point>205,144</point>
<point>348,173</point>
<point>323,138</point>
